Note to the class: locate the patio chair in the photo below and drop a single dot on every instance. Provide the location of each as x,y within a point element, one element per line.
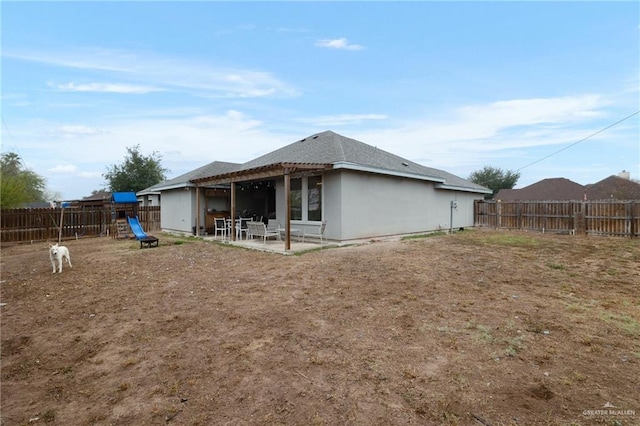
<point>241,226</point>
<point>220,226</point>
<point>259,229</point>
<point>272,225</point>
<point>315,231</point>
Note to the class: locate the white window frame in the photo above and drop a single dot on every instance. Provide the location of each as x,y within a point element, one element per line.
<point>305,200</point>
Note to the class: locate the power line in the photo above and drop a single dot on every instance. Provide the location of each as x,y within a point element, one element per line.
<point>485,183</point>
<point>580,141</point>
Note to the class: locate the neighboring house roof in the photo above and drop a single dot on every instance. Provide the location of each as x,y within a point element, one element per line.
<point>184,180</point>
<point>506,194</point>
<point>124,197</point>
<point>97,196</point>
<point>546,189</point>
<point>614,187</point>
<point>345,153</point>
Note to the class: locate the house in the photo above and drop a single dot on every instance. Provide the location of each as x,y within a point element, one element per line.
<point>98,199</point>
<point>614,188</point>
<point>177,197</point>
<point>359,190</point>
<point>619,187</point>
<point>546,189</point>
<point>148,197</point>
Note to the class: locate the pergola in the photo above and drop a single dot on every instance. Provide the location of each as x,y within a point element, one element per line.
<point>257,173</point>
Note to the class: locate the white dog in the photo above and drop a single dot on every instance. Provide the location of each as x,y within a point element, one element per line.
<point>57,253</point>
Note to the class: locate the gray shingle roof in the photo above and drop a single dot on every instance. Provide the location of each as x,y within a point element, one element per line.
<point>211,169</point>
<point>331,148</point>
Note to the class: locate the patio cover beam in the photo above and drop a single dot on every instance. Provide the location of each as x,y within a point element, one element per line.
<point>259,173</point>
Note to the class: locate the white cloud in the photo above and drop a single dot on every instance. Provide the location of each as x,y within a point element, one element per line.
<point>15,100</point>
<point>198,139</point>
<point>141,72</point>
<point>64,168</point>
<point>338,43</point>
<point>90,175</point>
<point>521,112</point>
<point>342,119</point>
<point>77,130</point>
<point>472,135</point>
<point>90,59</point>
<point>107,88</point>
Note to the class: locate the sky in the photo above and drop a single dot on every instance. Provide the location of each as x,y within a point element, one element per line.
<point>521,86</point>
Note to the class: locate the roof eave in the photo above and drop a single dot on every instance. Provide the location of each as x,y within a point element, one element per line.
<point>158,189</point>
<point>463,188</point>
<point>363,168</point>
<point>143,192</point>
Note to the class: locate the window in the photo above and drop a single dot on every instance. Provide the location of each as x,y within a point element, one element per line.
<point>296,199</point>
<point>314,198</point>
<point>306,198</point>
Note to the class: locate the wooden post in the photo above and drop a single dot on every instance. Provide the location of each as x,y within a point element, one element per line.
<point>287,203</point>
<point>61,219</point>
<point>197,211</point>
<point>632,218</point>
<point>232,237</point>
<point>579,223</point>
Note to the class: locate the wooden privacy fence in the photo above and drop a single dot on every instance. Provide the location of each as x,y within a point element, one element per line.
<point>615,217</point>
<point>42,224</point>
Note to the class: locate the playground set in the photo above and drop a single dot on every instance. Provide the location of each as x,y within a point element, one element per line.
<point>124,215</point>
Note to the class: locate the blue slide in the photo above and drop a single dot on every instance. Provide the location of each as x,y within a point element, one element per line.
<point>136,228</point>
<point>141,236</point>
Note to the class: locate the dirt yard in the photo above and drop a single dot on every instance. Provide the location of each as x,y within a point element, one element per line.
<point>477,328</point>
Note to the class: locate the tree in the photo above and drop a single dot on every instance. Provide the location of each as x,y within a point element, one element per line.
<point>136,172</point>
<point>495,178</point>
<point>18,186</point>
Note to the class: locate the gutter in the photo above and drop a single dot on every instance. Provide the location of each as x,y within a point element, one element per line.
<point>462,188</point>
<point>362,168</point>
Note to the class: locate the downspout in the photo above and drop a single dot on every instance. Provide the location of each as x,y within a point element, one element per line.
<point>287,214</point>
<point>454,205</point>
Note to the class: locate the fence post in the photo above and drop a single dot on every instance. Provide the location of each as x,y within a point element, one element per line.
<point>579,223</point>
<point>632,217</point>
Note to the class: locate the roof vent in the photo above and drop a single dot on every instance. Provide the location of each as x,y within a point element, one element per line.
<point>404,163</point>
<point>302,140</point>
<point>315,137</point>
